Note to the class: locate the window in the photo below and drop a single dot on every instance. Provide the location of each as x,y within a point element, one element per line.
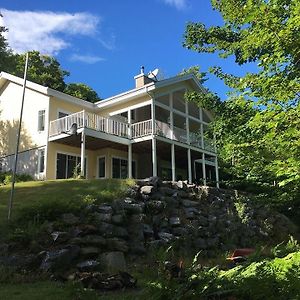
<point>101,167</point>
<point>67,166</point>
<point>120,168</point>
<point>41,120</point>
<point>41,160</point>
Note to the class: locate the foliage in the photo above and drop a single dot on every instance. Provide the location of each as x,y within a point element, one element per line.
<point>6,178</point>
<point>195,70</point>
<point>258,127</point>
<point>42,69</point>
<point>276,278</point>
<point>82,91</point>
<point>6,56</point>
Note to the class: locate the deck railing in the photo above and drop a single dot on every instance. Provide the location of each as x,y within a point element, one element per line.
<point>88,120</point>
<point>141,129</point>
<point>135,130</point>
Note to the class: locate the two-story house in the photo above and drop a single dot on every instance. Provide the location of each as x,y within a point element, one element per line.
<point>147,131</point>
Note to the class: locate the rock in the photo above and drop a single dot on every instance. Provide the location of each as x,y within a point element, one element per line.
<point>147,189</point>
<point>137,247</point>
<point>105,208</point>
<point>174,221</point>
<point>200,244</point>
<point>87,229</point>
<point>60,236</point>
<point>113,262</point>
<point>69,219</point>
<point>180,231</point>
<point>136,218</point>
<point>120,232</point>
<point>189,203</point>
<point>90,251</point>
<point>117,219</point>
<point>117,244</point>
<point>102,217</point>
<point>59,259</point>
<point>167,191</point>
<point>88,266</point>
<point>155,206</point>
<point>203,221</point>
<point>94,240</point>
<point>165,236</point>
<point>148,231</point>
<point>106,229</point>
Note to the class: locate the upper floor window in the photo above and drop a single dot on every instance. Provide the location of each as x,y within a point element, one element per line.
<point>41,120</point>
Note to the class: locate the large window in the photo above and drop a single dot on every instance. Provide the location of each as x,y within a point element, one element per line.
<point>67,166</point>
<point>41,160</point>
<point>120,168</point>
<point>101,167</point>
<point>41,120</point>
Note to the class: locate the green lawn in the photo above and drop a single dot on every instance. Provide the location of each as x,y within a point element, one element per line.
<point>34,194</point>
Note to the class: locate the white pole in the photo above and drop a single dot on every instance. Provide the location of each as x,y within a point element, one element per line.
<point>82,154</point>
<point>18,142</point>
<point>173,162</point>
<point>189,166</point>
<point>130,161</point>
<point>203,169</point>
<point>154,158</point>
<point>217,172</point>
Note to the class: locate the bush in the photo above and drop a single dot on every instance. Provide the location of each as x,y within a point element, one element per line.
<point>6,178</point>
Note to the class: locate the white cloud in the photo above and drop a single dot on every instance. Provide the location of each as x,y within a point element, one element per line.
<point>45,31</point>
<point>89,59</point>
<point>179,4</point>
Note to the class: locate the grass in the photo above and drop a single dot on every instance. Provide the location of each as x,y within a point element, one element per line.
<point>66,194</point>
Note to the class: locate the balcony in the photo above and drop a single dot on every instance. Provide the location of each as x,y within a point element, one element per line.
<point>129,131</point>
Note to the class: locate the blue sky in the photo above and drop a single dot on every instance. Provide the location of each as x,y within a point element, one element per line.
<point>104,43</point>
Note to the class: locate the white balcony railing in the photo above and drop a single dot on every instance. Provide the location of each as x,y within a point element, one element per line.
<point>141,129</point>
<point>88,120</point>
<point>135,130</point>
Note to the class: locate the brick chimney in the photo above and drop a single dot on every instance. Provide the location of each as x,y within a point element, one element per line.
<point>142,79</point>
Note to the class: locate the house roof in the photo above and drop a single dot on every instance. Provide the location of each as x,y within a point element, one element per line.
<point>111,101</point>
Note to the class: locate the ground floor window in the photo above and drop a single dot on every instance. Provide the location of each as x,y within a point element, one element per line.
<point>101,167</point>
<point>41,160</point>
<point>68,166</point>
<point>120,168</point>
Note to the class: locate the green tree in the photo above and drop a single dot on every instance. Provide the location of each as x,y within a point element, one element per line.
<point>82,91</point>
<point>42,69</point>
<point>6,56</point>
<point>259,126</point>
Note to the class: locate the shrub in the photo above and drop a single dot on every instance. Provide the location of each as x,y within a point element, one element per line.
<point>6,178</point>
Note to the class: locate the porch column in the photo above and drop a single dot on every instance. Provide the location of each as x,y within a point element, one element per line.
<point>82,154</point>
<point>154,158</point>
<point>130,161</point>
<point>189,166</point>
<point>173,162</point>
<point>203,169</point>
<point>217,172</point>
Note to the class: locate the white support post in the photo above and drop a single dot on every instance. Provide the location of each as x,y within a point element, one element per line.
<point>187,123</point>
<point>154,158</point>
<point>173,162</point>
<point>130,161</point>
<point>82,154</point>
<point>217,172</point>
<point>153,118</point>
<point>189,166</point>
<point>203,169</point>
<point>171,116</point>
<point>129,123</point>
